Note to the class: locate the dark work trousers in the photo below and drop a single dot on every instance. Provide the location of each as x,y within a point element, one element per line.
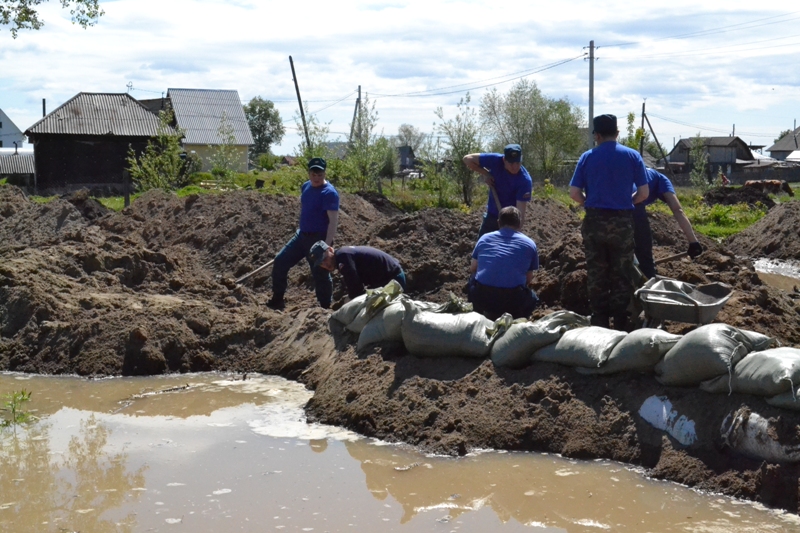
<point>608,245</point>
<point>643,241</point>
<point>488,225</point>
<point>295,251</point>
<point>492,302</point>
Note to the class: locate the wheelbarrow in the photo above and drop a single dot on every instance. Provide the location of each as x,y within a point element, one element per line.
<point>677,301</point>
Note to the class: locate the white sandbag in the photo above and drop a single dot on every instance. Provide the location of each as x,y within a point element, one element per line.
<point>587,347</point>
<point>755,436</point>
<point>348,312</point>
<point>640,350</point>
<point>766,373</point>
<point>516,346</point>
<point>376,300</point>
<point>385,325</point>
<point>707,352</point>
<point>757,342</point>
<point>787,400</point>
<point>428,334</point>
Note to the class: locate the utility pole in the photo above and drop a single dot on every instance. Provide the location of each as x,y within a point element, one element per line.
<point>355,114</point>
<point>641,141</point>
<point>44,107</point>
<point>591,93</point>
<point>300,102</point>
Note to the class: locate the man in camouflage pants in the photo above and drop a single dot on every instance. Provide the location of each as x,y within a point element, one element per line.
<point>604,182</point>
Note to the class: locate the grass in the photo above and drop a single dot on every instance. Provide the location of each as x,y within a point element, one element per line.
<point>13,405</point>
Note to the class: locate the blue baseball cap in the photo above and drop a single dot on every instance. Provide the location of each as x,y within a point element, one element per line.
<point>513,153</point>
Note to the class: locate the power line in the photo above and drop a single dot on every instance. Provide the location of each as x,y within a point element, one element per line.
<point>708,128</point>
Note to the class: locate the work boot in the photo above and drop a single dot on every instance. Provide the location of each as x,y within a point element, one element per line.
<point>276,303</point>
<point>600,320</point>
<point>621,322</point>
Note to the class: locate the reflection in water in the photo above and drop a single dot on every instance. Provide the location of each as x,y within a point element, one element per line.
<point>229,455</point>
<point>44,489</point>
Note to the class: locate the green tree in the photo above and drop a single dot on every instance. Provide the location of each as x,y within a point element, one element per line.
<point>265,125</point>
<point>462,136</point>
<point>698,157</point>
<point>23,15</point>
<point>783,134</point>
<point>635,136</point>
<point>408,135</point>
<point>546,129</point>
<point>368,151</point>
<point>162,165</point>
<point>318,133</point>
<point>224,157</point>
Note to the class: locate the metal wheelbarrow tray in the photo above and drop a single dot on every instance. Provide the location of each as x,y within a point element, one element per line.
<point>670,299</point>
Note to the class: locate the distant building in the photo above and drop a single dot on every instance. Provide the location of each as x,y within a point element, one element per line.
<point>407,158</point>
<point>724,153</point>
<point>85,141</point>
<point>9,132</point>
<point>785,146</point>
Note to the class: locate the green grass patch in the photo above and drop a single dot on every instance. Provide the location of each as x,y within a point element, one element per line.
<point>42,199</point>
<point>3,181</point>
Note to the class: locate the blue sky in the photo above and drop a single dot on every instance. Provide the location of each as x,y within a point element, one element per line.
<point>701,66</point>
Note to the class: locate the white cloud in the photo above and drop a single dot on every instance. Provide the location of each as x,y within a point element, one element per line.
<point>734,65</point>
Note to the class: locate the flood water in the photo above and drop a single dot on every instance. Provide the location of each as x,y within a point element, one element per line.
<point>779,274</point>
<point>217,453</point>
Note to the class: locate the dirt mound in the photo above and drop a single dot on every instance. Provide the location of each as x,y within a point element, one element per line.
<point>774,236</point>
<point>738,195</point>
<point>148,290</point>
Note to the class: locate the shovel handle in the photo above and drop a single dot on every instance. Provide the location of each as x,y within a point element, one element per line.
<point>671,258</point>
<point>256,271</point>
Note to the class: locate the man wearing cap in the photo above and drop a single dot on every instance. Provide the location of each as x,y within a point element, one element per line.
<point>360,266</point>
<point>660,188</point>
<point>509,183</point>
<point>604,180</point>
<point>502,266</point>
<point>319,216</point>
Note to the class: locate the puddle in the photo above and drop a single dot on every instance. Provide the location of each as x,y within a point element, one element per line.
<point>784,275</point>
<point>210,453</point>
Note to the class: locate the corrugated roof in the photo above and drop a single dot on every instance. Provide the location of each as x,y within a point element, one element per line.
<point>199,113</point>
<point>99,114</point>
<point>17,164</point>
<point>788,143</point>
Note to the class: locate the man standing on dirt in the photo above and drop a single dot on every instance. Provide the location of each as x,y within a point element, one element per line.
<point>319,216</point>
<point>603,180</point>
<point>505,176</point>
<point>660,189</point>
<point>360,266</point>
<point>502,266</point>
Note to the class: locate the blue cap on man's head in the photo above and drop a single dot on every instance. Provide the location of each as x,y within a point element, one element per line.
<point>513,153</point>
<point>605,124</point>
<point>317,252</point>
<point>317,163</point>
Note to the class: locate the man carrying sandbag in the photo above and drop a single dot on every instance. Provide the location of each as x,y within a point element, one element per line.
<point>360,266</point>
<point>502,267</point>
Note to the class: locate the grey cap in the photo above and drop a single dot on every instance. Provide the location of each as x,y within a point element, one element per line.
<point>317,253</point>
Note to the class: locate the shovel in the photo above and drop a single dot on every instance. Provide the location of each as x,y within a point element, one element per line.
<point>671,258</point>
<point>256,271</point>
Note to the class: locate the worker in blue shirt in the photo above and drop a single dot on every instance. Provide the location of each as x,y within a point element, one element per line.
<point>660,188</point>
<point>604,179</point>
<point>502,267</point>
<point>504,175</point>
<point>319,217</point>
<point>360,266</point>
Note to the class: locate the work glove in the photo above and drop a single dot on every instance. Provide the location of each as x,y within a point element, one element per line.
<point>695,249</point>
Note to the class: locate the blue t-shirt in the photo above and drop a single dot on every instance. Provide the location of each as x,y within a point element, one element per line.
<point>315,202</point>
<point>511,188</point>
<point>659,184</point>
<point>504,258</point>
<point>607,173</point>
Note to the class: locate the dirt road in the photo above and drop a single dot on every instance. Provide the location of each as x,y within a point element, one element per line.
<point>148,291</point>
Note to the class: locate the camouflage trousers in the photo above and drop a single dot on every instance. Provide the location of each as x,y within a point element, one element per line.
<point>608,245</point>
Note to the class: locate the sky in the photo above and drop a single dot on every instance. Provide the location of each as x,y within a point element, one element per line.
<point>711,67</point>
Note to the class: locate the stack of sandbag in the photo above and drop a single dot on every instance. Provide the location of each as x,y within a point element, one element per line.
<point>385,325</point>
<point>519,342</point>
<point>587,347</point>
<point>356,313</point>
<point>639,351</point>
<point>708,352</point>
<point>765,373</point>
<point>429,334</point>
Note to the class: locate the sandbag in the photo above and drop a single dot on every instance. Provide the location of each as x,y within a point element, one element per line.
<point>516,346</point>
<point>376,300</point>
<point>584,347</point>
<point>346,313</point>
<point>768,373</point>
<point>385,325</point>
<point>428,334</point>
<point>640,350</point>
<point>757,342</point>
<point>787,400</point>
<point>707,352</point>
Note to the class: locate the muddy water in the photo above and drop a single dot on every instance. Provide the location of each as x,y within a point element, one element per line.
<point>217,453</point>
<point>779,274</point>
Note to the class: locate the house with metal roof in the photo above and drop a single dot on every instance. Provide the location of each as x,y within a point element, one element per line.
<point>724,153</point>
<point>202,114</point>
<point>84,142</point>
<point>787,144</point>
<point>9,133</point>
